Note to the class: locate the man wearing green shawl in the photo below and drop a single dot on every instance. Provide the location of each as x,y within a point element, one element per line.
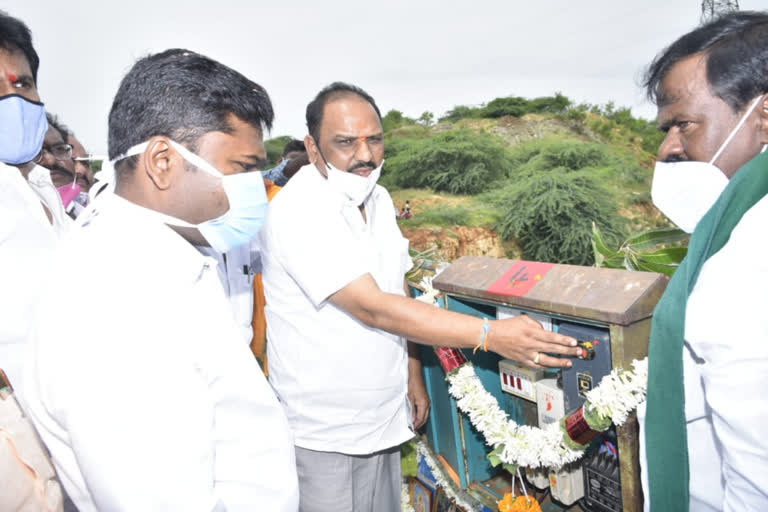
<point>705,424</point>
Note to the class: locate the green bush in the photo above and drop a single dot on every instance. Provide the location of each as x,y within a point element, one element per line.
<point>516,106</point>
<point>440,215</point>
<point>274,149</point>
<point>572,156</point>
<point>458,161</point>
<point>395,119</point>
<point>551,214</point>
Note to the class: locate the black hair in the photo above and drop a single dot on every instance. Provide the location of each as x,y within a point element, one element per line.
<point>327,94</point>
<point>182,95</point>
<point>736,50</point>
<point>60,127</point>
<point>294,145</point>
<point>15,36</point>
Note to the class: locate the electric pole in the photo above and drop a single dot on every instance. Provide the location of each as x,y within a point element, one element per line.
<point>711,9</point>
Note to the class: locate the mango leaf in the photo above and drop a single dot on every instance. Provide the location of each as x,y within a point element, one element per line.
<point>668,256</point>
<point>617,262</point>
<point>602,252</point>
<point>648,266</point>
<point>648,239</point>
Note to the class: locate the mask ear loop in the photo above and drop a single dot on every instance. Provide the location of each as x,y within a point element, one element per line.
<point>736,129</point>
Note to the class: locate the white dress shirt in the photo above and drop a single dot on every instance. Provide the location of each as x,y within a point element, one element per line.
<point>343,384</point>
<point>27,238</point>
<point>154,402</point>
<point>725,364</point>
<point>236,270</point>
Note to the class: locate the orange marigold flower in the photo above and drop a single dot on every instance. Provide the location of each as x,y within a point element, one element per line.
<point>520,504</point>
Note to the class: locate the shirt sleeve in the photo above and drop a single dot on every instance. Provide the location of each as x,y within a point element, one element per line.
<point>730,333</point>
<point>319,251</point>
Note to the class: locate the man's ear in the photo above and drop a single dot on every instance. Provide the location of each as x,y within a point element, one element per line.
<point>763,112</point>
<point>159,161</point>
<point>312,151</point>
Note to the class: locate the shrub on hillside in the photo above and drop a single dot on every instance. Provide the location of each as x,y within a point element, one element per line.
<point>516,106</point>
<point>458,161</point>
<point>551,214</point>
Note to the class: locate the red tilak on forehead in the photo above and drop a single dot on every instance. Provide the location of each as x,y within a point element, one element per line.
<point>12,77</point>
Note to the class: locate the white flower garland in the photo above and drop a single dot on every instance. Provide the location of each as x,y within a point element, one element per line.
<point>405,499</point>
<point>616,397</point>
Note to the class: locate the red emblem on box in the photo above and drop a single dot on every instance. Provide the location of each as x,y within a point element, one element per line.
<point>520,278</point>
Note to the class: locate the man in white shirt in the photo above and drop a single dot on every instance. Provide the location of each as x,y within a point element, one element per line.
<point>31,214</point>
<point>704,427</point>
<point>156,403</point>
<point>337,317</point>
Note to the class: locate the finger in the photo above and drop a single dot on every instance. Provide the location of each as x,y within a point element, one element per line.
<point>559,349</point>
<point>554,338</point>
<point>547,361</point>
<point>421,415</point>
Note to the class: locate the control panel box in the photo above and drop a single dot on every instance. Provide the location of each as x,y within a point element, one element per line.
<point>518,379</point>
<point>608,311</point>
<point>585,374</point>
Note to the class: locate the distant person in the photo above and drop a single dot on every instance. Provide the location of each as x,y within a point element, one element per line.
<point>155,403</point>
<point>338,318</point>
<point>57,153</point>
<point>294,157</point>
<point>703,430</point>
<point>70,176</point>
<point>82,163</point>
<point>83,173</point>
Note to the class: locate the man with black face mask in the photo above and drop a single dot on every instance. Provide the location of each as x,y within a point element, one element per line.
<point>704,423</point>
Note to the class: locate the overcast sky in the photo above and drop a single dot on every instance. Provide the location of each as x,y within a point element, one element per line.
<point>410,55</point>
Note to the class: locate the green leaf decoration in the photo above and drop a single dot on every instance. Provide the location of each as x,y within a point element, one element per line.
<point>654,237</point>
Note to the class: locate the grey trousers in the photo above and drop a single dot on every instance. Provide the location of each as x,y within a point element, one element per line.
<point>334,482</point>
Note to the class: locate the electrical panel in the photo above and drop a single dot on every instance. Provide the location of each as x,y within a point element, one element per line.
<point>585,374</point>
<point>602,480</point>
<point>608,311</point>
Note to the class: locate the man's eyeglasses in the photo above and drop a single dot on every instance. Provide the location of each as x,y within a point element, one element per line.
<point>61,151</point>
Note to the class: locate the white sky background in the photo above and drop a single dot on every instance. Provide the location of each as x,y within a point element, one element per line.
<point>409,55</point>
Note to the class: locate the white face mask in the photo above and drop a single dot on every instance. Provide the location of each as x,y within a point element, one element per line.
<point>355,189</point>
<point>685,191</point>
<point>245,193</point>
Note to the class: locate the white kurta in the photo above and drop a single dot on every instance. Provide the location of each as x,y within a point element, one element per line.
<point>343,384</point>
<point>27,239</point>
<point>154,402</point>
<point>725,362</point>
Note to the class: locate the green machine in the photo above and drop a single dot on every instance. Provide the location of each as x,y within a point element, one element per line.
<point>609,310</point>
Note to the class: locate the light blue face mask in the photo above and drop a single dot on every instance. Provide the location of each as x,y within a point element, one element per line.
<point>247,203</point>
<point>22,129</point>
